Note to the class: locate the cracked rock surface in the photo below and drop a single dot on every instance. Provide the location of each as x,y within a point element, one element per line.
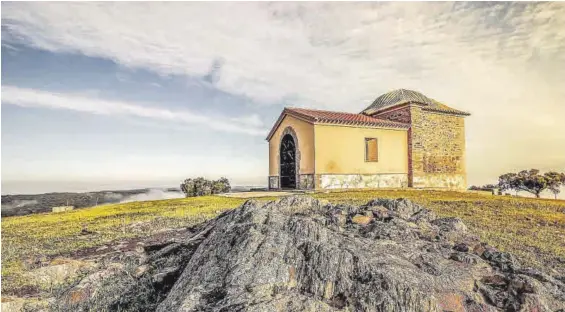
<point>301,254</point>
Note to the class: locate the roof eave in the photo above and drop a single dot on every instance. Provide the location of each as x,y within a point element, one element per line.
<point>321,121</point>
<point>381,126</point>
<point>424,107</point>
<point>285,112</point>
<point>371,111</point>
<point>276,125</point>
<point>451,112</point>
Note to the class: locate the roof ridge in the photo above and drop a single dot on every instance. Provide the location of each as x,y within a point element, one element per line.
<point>346,113</point>
<point>366,117</point>
<point>406,96</point>
<point>319,110</point>
<point>337,118</point>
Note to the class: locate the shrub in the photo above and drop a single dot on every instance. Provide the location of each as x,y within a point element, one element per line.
<point>203,187</point>
<point>221,186</point>
<point>486,187</point>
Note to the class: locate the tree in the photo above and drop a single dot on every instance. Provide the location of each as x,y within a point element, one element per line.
<point>203,187</point>
<point>486,187</point>
<point>508,181</point>
<point>221,186</point>
<point>555,180</point>
<point>531,181</point>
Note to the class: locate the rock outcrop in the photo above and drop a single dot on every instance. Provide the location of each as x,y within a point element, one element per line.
<point>300,254</point>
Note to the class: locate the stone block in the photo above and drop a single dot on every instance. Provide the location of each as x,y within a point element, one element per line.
<point>337,181</point>
<point>306,181</point>
<point>274,182</point>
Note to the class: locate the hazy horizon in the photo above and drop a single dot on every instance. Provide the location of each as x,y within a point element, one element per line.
<point>93,97</point>
<point>39,187</point>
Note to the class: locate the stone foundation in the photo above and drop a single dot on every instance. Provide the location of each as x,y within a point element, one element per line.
<point>306,182</point>
<point>449,181</point>
<point>337,181</point>
<point>274,182</point>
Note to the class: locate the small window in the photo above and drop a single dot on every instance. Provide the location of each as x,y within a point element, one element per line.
<point>371,149</point>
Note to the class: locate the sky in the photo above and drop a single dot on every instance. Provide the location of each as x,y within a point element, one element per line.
<point>101,95</point>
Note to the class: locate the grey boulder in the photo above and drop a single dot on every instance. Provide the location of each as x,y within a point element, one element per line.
<point>301,254</point>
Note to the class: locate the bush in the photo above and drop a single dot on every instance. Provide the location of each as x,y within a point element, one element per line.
<point>203,187</point>
<point>486,187</point>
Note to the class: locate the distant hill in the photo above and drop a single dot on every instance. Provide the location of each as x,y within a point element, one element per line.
<point>19,205</point>
<point>25,204</point>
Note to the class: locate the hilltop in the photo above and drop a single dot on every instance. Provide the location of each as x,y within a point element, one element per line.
<point>531,229</point>
<point>25,204</point>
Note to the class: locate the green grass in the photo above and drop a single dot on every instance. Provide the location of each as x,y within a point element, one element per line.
<point>28,239</point>
<point>533,229</point>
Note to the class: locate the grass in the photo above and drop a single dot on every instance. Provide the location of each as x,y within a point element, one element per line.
<point>32,238</point>
<point>533,229</point>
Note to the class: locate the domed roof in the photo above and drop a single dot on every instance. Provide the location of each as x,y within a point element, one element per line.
<point>404,96</point>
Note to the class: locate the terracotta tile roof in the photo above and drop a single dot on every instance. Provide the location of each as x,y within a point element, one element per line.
<point>330,117</point>
<point>404,96</point>
<point>337,118</point>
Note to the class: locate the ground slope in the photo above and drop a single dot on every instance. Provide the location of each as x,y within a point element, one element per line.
<point>301,254</point>
<point>532,229</point>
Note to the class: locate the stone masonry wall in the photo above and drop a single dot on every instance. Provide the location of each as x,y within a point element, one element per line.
<point>402,115</point>
<point>340,181</point>
<point>436,147</point>
<point>305,182</point>
<point>274,182</point>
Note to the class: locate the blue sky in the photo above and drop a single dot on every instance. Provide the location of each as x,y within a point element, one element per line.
<point>99,95</point>
<point>43,142</point>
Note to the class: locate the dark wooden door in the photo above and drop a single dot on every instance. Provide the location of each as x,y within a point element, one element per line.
<point>288,162</point>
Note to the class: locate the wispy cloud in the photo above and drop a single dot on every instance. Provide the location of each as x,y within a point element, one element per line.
<point>37,98</point>
<point>504,61</point>
<point>324,54</point>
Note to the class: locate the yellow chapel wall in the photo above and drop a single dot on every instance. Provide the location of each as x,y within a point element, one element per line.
<point>341,150</point>
<point>305,133</point>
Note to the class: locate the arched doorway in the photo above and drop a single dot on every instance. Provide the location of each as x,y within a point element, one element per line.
<point>288,162</point>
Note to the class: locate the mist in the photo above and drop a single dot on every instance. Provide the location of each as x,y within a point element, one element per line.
<point>18,204</point>
<point>153,194</point>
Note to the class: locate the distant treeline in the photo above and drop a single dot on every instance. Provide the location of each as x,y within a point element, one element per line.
<point>531,181</point>
<point>19,205</point>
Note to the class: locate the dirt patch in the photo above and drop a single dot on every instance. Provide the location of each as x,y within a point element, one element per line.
<point>128,245</point>
<point>20,292</point>
<point>258,194</point>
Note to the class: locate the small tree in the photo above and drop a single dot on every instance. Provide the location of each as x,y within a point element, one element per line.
<point>486,187</point>
<point>202,187</point>
<point>555,180</point>
<point>531,181</point>
<point>508,181</point>
<point>187,187</point>
<point>221,186</point>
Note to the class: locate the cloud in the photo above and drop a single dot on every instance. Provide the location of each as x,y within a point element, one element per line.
<point>152,194</point>
<point>37,98</point>
<point>503,62</point>
<point>330,54</point>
